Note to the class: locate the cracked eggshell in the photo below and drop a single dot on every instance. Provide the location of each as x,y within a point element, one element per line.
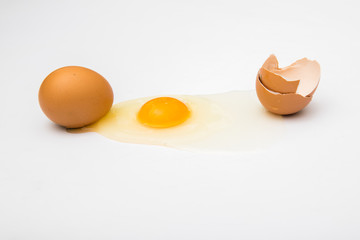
<point>305,71</point>
<point>274,81</point>
<point>279,103</point>
<point>287,90</point>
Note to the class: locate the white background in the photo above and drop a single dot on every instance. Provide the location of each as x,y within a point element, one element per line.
<point>56,185</point>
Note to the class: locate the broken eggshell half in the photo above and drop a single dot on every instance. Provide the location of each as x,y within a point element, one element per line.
<point>275,81</point>
<point>287,90</point>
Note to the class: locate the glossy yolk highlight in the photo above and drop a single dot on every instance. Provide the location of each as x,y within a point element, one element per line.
<point>163,112</point>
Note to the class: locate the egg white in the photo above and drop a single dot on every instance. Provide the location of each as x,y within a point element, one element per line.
<point>227,122</point>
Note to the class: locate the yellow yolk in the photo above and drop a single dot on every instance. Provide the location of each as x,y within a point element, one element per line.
<point>211,123</point>
<point>163,112</point>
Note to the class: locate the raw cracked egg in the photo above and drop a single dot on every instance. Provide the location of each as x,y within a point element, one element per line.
<point>75,96</point>
<point>226,122</point>
<point>81,100</point>
<point>287,90</point>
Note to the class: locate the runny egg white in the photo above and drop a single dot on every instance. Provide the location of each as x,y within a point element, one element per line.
<point>227,122</point>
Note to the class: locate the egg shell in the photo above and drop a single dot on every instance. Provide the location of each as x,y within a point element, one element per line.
<point>75,96</point>
<point>277,83</point>
<point>301,77</point>
<point>274,81</point>
<point>279,103</point>
<point>271,63</point>
<point>307,71</point>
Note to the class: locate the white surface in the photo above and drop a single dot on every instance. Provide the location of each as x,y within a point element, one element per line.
<point>55,185</point>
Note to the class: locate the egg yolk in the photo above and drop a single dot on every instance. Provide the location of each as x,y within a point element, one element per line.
<point>163,112</point>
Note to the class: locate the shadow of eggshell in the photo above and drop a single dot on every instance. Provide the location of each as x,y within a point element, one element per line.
<point>279,103</point>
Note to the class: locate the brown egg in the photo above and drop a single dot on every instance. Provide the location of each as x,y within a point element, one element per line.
<point>75,96</point>
<point>287,90</point>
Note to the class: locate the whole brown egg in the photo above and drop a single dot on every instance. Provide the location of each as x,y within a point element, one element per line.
<point>75,96</point>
